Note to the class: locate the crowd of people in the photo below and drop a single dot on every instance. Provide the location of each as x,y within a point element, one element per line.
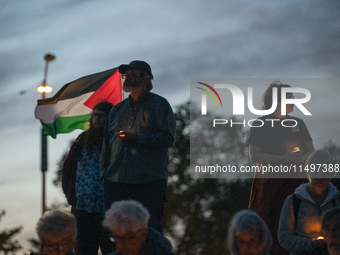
<point>114,178</point>
<point>291,207</point>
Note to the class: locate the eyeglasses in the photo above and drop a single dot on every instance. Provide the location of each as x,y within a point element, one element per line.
<point>100,115</point>
<point>133,76</point>
<point>51,248</point>
<point>130,76</point>
<point>127,237</point>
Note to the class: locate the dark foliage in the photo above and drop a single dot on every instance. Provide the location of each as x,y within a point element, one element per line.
<point>198,210</point>
<point>7,244</point>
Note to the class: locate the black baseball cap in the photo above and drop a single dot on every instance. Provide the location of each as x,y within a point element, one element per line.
<point>142,65</point>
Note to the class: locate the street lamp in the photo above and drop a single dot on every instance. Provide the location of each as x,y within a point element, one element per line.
<point>44,89</point>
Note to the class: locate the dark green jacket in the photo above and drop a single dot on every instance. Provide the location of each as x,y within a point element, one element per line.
<point>146,160</point>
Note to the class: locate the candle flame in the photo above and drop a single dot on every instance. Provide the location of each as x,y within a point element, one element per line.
<point>120,133</point>
<point>296,149</point>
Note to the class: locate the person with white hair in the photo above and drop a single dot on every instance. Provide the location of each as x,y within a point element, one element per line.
<point>57,231</point>
<point>248,234</point>
<point>128,222</point>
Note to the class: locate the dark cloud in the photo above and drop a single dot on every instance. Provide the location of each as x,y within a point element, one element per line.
<point>179,39</point>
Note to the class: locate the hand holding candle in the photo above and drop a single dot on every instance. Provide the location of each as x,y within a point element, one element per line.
<point>319,238</point>
<point>121,133</point>
<point>296,149</point>
<point>127,137</point>
<point>294,156</point>
<point>319,244</point>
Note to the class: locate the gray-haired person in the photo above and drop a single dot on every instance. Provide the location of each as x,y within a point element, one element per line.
<point>248,234</point>
<point>128,222</point>
<point>57,231</point>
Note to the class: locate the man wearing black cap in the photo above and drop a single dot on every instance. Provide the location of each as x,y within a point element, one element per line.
<point>139,130</point>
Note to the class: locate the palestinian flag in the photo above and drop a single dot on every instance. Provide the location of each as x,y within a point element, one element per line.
<point>71,107</point>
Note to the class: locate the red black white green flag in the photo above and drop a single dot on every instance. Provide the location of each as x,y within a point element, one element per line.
<point>71,107</point>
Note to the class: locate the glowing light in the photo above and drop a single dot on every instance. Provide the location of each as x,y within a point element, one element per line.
<point>46,89</point>
<point>296,149</point>
<point>121,133</point>
<point>319,238</point>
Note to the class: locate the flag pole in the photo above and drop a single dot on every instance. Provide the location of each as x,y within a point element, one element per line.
<point>44,89</point>
<point>122,88</point>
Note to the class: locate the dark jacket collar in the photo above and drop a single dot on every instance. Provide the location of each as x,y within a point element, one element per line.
<point>141,99</point>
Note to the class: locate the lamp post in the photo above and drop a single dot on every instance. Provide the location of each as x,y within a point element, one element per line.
<point>44,89</point>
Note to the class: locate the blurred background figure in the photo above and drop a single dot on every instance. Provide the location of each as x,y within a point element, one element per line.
<point>248,234</point>
<point>83,187</point>
<point>276,145</point>
<point>57,231</point>
<point>331,230</point>
<point>300,221</point>
<point>128,222</point>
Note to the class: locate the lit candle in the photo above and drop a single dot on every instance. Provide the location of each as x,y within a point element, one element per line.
<point>121,133</point>
<point>296,149</point>
<point>319,238</point>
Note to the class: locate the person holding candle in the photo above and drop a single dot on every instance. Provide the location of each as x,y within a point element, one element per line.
<point>331,230</point>
<point>300,220</point>
<point>272,144</point>
<point>138,134</point>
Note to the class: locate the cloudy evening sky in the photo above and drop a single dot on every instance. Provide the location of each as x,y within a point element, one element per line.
<point>179,39</point>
